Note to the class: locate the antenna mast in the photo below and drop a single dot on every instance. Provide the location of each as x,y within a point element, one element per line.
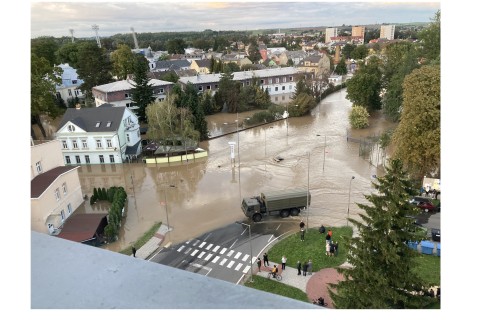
<point>95,27</point>
<point>134,38</point>
<point>71,32</point>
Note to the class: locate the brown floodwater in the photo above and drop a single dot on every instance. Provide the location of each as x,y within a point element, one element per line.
<point>202,195</point>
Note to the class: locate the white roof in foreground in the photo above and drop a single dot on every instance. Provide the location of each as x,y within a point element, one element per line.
<point>241,75</point>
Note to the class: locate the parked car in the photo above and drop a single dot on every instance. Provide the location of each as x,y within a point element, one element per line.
<point>427,206</point>
<point>418,199</point>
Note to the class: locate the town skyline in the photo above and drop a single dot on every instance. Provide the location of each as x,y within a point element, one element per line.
<point>57,18</point>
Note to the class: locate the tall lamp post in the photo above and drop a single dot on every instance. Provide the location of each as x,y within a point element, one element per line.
<point>324,148</point>
<point>238,151</point>
<point>349,192</point>
<point>166,209</point>
<point>251,251</point>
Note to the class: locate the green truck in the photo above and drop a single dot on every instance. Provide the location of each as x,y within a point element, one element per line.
<point>283,203</point>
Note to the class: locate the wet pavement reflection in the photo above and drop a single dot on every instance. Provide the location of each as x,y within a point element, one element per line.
<point>205,194</point>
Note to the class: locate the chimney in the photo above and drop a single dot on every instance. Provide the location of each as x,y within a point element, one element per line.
<point>78,106</point>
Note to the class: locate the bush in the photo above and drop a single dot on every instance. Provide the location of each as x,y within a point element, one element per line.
<point>359,117</point>
<point>260,117</point>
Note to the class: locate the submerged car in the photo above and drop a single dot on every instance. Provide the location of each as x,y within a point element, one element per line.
<point>427,206</point>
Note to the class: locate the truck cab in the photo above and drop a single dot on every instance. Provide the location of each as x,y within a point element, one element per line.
<point>251,206</point>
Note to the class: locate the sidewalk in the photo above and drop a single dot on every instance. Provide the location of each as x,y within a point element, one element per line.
<point>153,244</point>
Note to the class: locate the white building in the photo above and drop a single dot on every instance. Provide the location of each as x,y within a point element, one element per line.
<point>387,32</point>
<point>329,33</point>
<point>99,135</point>
<point>55,191</point>
<point>70,83</point>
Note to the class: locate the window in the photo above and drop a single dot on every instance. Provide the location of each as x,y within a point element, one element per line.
<point>276,88</point>
<point>248,83</point>
<point>109,143</point>
<point>128,137</point>
<point>291,78</point>
<point>109,123</point>
<point>99,143</point>
<point>283,88</point>
<point>101,158</point>
<point>209,87</point>
<point>74,81</point>
<point>77,159</point>
<point>75,144</point>
<point>128,95</point>
<point>216,86</point>
<point>38,165</point>
<point>62,215</point>
<point>87,159</point>
<point>59,96</point>
<point>69,209</point>
<point>77,93</point>
<point>57,194</point>
<point>64,188</point>
<point>112,159</point>
<point>200,88</point>
<point>262,81</point>
<point>270,80</point>
<point>284,79</point>
<point>290,87</point>
<point>277,80</point>
<point>97,125</point>
<point>64,144</point>
<point>84,144</point>
<point>128,105</point>
<point>67,159</point>
<point>69,92</point>
<point>161,90</point>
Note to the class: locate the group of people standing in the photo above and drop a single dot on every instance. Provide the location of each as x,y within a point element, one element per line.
<point>331,248</point>
<point>306,267</point>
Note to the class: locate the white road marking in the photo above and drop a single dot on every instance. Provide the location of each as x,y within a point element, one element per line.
<point>245,257</point>
<point>223,250</point>
<point>194,253</point>
<point>203,243</point>
<point>208,257</point>
<point>196,242</point>
<point>238,266</point>
<point>247,268</point>
<point>180,249</point>
<point>230,253</point>
<point>215,259</point>
<point>209,246</point>
<point>201,254</point>
<point>223,261</point>
<point>188,250</point>
<point>230,264</point>
<point>238,255</point>
<point>216,249</point>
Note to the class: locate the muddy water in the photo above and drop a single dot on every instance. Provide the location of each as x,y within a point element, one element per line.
<point>202,195</point>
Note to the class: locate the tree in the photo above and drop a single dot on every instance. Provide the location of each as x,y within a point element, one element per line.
<point>417,137</point>
<point>45,47</point>
<point>302,87</point>
<point>189,100</point>
<point>382,274</point>
<point>301,105</point>
<point>123,60</point>
<point>360,52</point>
<point>93,68</point>
<point>142,92</point>
<point>68,53</point>
<point>430,40</point>
<point>167,123</point>
<point>176,46</point>
<point>364,87</point>
<point>358,117</point>
<point>228,93</point>
<point>43,79</point>
<point>347,50</point>
<point>208,103</point>
<point>341,68</point>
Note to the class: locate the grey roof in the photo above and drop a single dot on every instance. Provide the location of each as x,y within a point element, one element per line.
<point>172,64</point>
<point>203,63</point>
<point>133,150</point>
<point>87,118</point>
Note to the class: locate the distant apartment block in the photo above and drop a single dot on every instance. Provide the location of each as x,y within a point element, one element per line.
<point>359,31</point>
<point>387,32</point>
<point>330,33</point>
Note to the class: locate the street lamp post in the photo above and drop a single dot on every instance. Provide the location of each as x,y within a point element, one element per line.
<point>265,131</point>
<point>324,148</point>
<point>251,251</point>
<point>238,151</point>
<point>166,209</point>
<point>308,188</point>
<point>349,192</point>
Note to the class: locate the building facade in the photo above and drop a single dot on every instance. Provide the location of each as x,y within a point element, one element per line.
<point>359,31</point>
<point>387,32</point>
<point>69,90</point>
<point>120,93</point>
<point>329,33</point>
<point>99,135</point>
<point>55,191</point>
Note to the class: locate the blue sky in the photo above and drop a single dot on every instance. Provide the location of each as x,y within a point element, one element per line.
<point>56,18</point>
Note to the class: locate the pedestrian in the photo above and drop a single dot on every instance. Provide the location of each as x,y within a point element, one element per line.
<point>134,251</point>
<point>328,237</point>
<point>336,248</point>
<point>332,249</point>
<point>299,267</point>
<point>305,268</point>
<point>310,266</point>
<point>259,264</point>
<point>302,224</point>
<point>327,248</point>
<point>284,261</point>
<point>302,234</point>
<point>330,233</point>
<point>321,229</point>
<point>274,271</point>
<point>265,260</point>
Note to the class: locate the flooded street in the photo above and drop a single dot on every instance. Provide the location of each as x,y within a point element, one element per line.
<point>206,194</point>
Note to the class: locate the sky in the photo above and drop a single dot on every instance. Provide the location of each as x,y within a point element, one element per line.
<point>57,18</point>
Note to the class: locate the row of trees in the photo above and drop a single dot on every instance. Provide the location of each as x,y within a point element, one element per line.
<point>117,198</point>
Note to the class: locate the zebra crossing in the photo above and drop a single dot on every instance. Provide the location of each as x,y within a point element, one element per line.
<point>225,257</point>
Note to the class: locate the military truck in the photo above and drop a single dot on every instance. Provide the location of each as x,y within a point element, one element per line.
<point>283,203</point>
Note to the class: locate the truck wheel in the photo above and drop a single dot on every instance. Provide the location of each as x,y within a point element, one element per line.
<point>257,217</point>
<point>294,212</point>
<point>284,213</point>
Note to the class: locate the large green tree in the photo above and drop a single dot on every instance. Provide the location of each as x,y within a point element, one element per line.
<point>68,53</point>
<point>417,137</point>
<point>176,46</point>
<point>123,60</point>
<point>142,92</point>
<point>430,40</point>
<point>341,68</point>
<point>45,47</point>
<point>189,99</point>
<point>228,93</point>
<point>360,52</point>
<point>43,79</point>
<point>93,67</point>
<point>382,274</point>
<point>364,87</point>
